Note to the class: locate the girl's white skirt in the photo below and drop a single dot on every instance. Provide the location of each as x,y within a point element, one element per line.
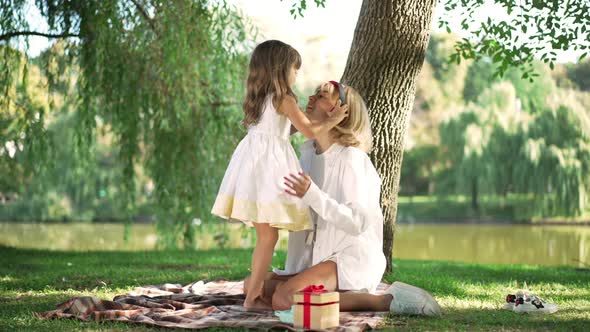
<point>253,190</point>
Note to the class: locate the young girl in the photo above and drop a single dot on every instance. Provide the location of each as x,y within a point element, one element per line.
<point>251,190</point>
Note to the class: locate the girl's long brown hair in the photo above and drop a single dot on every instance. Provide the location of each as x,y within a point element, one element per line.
<point>269,70</point>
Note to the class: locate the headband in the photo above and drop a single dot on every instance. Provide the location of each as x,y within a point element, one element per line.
<point>340,88</point>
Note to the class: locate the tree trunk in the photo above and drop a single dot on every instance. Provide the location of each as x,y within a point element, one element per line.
<point>385,59</point>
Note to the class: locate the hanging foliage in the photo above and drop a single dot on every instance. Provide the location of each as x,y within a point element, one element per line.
<point>555,163</point>
<point>498,150</point>
<point>166,78</point>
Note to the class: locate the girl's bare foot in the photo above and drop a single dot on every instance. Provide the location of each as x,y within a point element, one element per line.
<point>257,303</point>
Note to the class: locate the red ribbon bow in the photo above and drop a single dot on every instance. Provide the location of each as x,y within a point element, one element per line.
<point>314,289</point>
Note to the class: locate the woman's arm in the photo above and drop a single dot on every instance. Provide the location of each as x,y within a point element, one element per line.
<point>349,216</point>
<point>352,215</point>
<point>309,128</point>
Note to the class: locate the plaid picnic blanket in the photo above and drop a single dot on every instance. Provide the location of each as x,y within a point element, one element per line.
<point>195,306</point>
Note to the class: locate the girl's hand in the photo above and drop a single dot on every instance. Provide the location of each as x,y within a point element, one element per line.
<point>338,112</point>
<point>298,184</point>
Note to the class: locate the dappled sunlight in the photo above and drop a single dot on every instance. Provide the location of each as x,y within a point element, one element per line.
<point>7,279</point>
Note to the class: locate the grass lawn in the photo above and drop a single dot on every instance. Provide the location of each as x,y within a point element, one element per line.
<point>37,280</point>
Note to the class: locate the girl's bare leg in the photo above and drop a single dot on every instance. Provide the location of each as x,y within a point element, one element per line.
<point>324,273</point>
<point>271,282</point>
<point>266,239</point>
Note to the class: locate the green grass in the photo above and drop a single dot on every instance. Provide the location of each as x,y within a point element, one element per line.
<point>453,208</point>
<point>37,280</point>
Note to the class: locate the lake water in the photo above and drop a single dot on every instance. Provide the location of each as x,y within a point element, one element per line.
<point>499,244</point>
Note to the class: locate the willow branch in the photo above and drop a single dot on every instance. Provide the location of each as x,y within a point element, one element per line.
<point>9,35</point>
<point>145,15</point>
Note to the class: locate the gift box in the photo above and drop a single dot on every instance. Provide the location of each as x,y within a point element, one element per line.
<point>315,308</point>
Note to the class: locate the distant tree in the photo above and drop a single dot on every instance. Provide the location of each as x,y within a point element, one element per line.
<point>450,75</point>
<point>494,149</point>
<point>532,95</point>
<point>466,138</point>
<point>23,138</point>
<point>430,108</point>
<point>580,74</point>
<point>462,142</point>
<point>418,170</point>
<point>480,75</point>
<point>555,162</point>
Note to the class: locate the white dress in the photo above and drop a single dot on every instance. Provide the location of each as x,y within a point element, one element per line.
<point>344,198</point>
<point>253,187</point>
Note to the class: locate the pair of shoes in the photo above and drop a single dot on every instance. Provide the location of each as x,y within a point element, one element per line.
<point>511,300</point>
<point>522,303</point>
<point>411,300</point>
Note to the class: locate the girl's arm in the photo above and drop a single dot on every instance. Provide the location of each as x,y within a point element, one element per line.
<point>309,128</point>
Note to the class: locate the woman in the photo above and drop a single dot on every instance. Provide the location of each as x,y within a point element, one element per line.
<point>344,252</point>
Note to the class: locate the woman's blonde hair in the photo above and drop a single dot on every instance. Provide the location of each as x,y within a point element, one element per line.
<point>355,129</point>
<point>269,70</point>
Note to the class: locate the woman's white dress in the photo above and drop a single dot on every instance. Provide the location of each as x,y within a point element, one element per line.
<point>344,199</point>
<point>253,187</point>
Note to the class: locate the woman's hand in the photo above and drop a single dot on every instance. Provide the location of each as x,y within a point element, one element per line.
<point>298,184</point>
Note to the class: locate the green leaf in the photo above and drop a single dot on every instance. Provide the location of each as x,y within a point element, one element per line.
<point>497,57</point>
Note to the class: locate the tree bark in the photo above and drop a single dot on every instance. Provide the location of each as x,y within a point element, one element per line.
<point>385,59</point>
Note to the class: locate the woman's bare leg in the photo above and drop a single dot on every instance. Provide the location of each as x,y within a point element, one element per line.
<point>348,301</point>
<point>364,302</point>
<point>324,273</point>
<point>266,239</point>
